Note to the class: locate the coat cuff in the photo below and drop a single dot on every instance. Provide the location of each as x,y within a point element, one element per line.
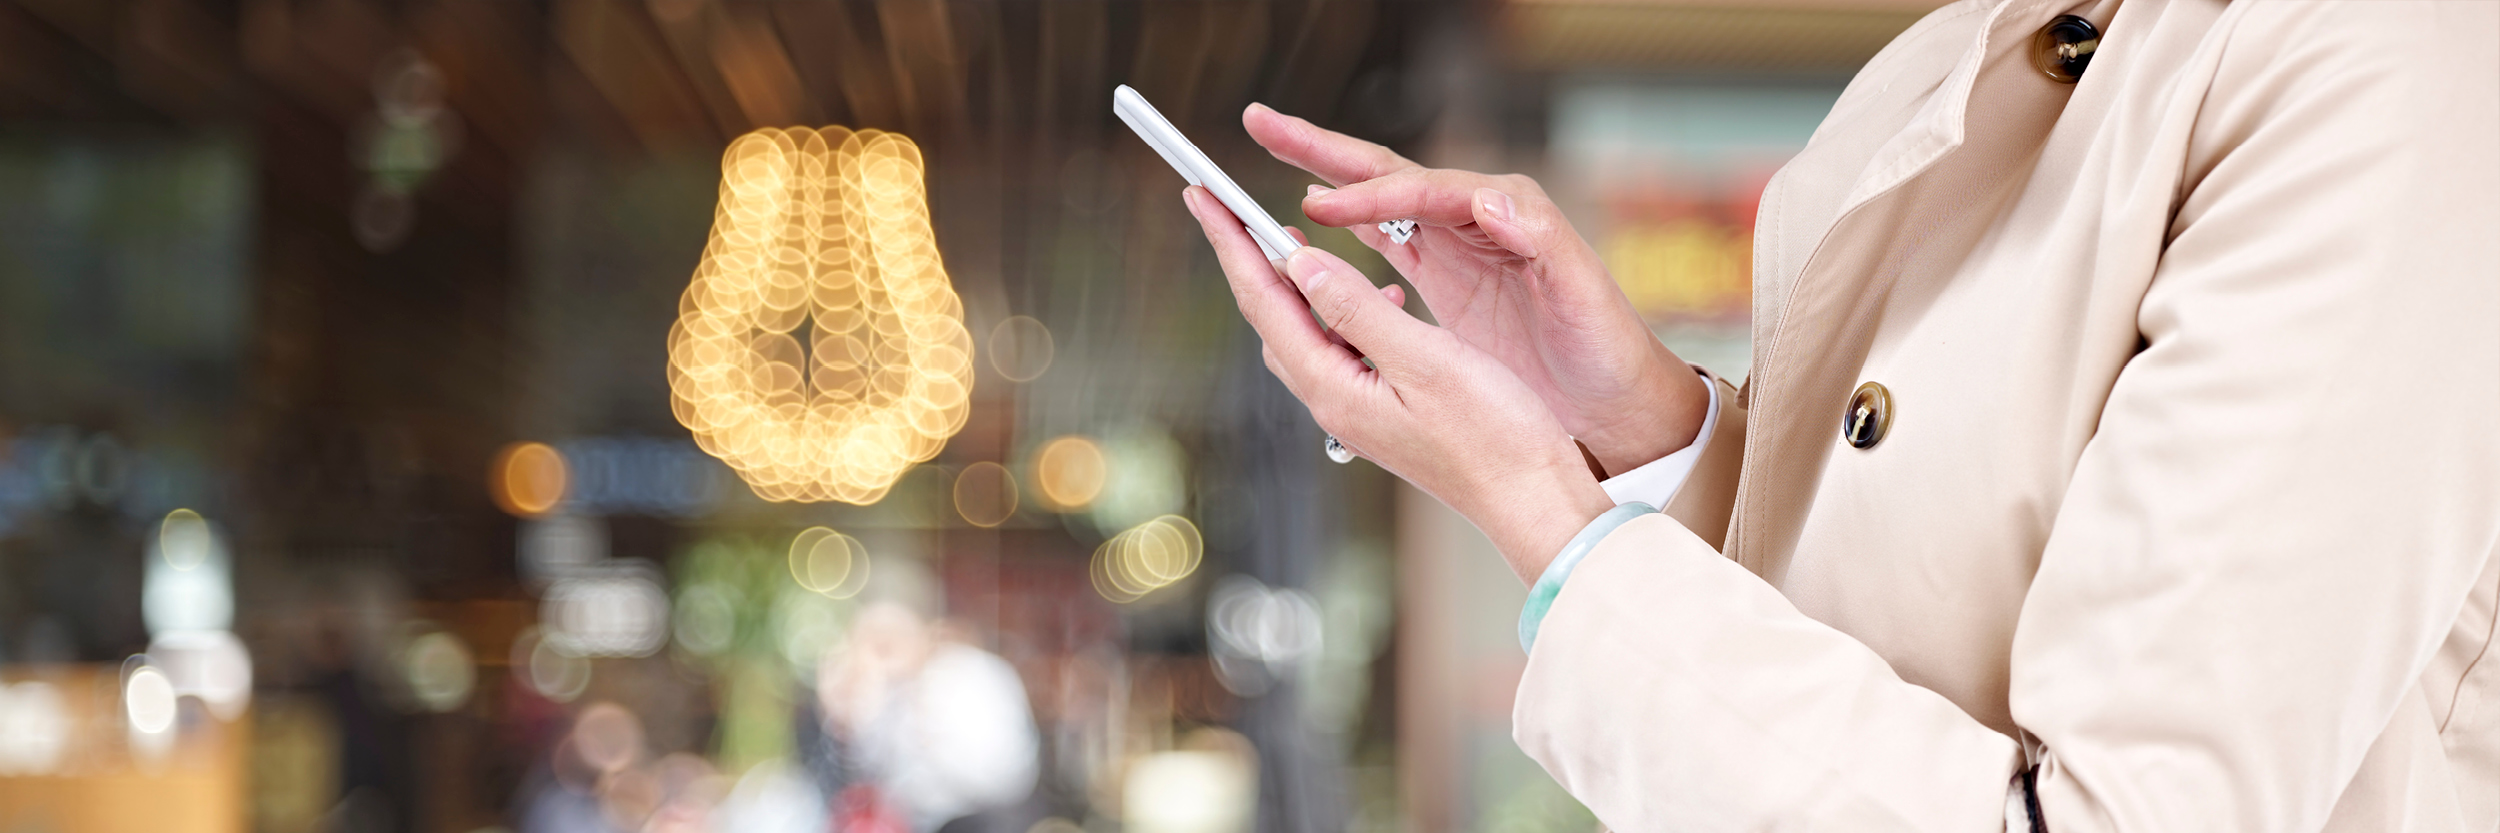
<point>1549,584</point>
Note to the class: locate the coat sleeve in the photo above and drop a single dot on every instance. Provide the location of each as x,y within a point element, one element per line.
<point>2291,490</point>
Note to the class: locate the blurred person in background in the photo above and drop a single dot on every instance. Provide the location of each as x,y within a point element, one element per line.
<point>587,783</point>
<point>601,777</point>
<point>919,729</point>
<point>2117,453</point>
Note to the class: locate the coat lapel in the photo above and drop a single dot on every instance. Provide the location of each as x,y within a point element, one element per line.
<point>1869,222</point>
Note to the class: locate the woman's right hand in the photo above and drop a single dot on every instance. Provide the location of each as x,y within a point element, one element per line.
<point>1498,265</point>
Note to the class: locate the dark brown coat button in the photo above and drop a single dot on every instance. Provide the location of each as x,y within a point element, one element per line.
<point>1868,416</point>
<point>2064,47</point>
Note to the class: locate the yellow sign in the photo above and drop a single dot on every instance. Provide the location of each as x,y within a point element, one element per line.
<point>1684,270</point>
<point>821,350</point>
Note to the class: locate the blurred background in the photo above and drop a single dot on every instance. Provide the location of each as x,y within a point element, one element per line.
<point>357,473</point>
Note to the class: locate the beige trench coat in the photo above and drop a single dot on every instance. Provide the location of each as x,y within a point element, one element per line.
<point>2191,493</point>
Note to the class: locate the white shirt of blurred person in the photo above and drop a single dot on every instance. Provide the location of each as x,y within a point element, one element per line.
<point>941,728</point>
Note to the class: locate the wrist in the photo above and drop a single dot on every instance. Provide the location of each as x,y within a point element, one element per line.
<point>1664,417</point>
<point>1536,528</point>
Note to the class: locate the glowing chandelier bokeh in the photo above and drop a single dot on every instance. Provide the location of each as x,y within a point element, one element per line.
<point>820,350</point>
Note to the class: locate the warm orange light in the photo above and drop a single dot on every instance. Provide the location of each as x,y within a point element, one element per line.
<point>985,494</point>
<point>527,479</point>
<point>1070,471</point>
<point>1147,557</point>
<point>820,350</point>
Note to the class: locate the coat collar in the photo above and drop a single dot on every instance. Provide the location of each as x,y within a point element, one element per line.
<point>1900,179</point>
<point>1941,123</point>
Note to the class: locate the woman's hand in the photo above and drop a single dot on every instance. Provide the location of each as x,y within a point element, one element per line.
<point>1432,408</point>
<point>1499,266</point>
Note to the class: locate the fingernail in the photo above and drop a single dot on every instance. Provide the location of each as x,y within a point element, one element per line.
<point>1260,106</point>
<point>1317,190</point>
<point>1498,205</point>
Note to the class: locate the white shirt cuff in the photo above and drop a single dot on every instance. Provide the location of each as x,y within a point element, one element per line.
<point>1656,482</point>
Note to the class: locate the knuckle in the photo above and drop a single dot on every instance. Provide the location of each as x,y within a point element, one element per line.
<point>1386,161</point>
<point>1343,312</point>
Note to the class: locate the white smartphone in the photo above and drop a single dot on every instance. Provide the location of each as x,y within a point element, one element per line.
<point>1199,170</point>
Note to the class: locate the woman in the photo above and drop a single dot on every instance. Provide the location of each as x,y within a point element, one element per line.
<point>2119,452</point>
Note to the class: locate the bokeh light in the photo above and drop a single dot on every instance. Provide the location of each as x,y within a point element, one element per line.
<point>1070,472</point>
<point>548,669</point>
<point>527,479</point>
<point>185,539</point>
<point>1147,557</point>
<point>608,737</point>
<point>1212,788</point>
<point>1020,348</point>
<point>208,664</point>
<point>828,562</point>
<point>148,701</point>
<point>985,494</point>
<point>612,613</point>
<point>440,671</point>
<point>187,583</point>
<point>1259,633</point>
<point>820,350</point>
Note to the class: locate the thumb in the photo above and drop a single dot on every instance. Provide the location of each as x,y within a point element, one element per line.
<point>1359,313</point>
<point>1527,228</point>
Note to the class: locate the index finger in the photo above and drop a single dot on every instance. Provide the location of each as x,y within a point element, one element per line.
<point>1273,305</point>
<point>1431,196</point>
<point>1328,154</point>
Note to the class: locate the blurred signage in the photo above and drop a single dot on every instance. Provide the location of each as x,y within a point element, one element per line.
<point>1674,167</point>
<point>1682,259</point>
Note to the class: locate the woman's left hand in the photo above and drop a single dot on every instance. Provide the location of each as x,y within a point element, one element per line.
<point>1431,409</point>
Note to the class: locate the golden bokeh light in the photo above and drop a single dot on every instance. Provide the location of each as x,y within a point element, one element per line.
<point>985,494</point>
<point>1147,557</point>
<point>1020,348</point>
<point>828,562</point>
<point>527,479</point>
<point>1070,471</point>
<point>820,350</point>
